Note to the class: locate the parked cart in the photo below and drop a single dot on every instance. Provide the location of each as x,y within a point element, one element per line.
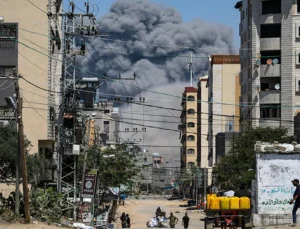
<point>224,219</point>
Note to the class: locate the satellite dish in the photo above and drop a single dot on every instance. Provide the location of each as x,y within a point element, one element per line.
<point>269,61</point>
<point>277,86</point>
<point>275,61</point>
<point>1,19</point>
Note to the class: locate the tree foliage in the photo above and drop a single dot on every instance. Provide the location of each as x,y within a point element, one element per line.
<point>239,164</point>
<point>8,154</point>
<point>115,166</point>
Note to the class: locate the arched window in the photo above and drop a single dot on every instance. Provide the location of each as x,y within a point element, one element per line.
<point>191,138</point>
<point>191,151</point>
<point>191,98</point>
<point>190,165</point>
<point>191,124</point>
<point>191,111</point>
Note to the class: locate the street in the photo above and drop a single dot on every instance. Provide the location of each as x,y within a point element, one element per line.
<point>140,211</point>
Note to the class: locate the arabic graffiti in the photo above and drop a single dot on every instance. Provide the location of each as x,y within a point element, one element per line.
<point>275,202</point>
<point>278,189</point>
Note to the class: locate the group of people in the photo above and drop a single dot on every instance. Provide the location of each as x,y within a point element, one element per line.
<point>242,192</point>
<point>173,220</point>
<point>125,220</point>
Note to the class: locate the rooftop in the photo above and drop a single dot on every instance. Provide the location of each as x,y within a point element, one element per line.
<point>225,59</point>
<point>276,147</point>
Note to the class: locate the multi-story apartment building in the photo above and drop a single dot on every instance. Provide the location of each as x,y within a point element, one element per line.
<point>37,54</point>
<point>270,50</point>
<point>202,117</point>
<point>189,128</point>
<point>223,99</point>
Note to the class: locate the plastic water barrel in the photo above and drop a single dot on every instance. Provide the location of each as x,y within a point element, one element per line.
<point>214,203</point>
<point>245,203</point>
<point>234,203</point>
<point>224,203</point>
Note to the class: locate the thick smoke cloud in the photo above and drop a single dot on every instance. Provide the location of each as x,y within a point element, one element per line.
<point>153,41</point>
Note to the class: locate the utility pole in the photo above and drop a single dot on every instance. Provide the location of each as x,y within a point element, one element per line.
<point>17,199</point>
<point>67,159</point>
<point>22,152</point>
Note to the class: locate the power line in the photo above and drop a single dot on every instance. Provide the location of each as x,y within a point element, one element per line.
<point>160,93</point>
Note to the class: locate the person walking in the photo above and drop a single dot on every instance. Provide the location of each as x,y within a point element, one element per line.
<point>173,220</point>
<point>296,198</point>
<point>123,219</point>
<point>128,221</point>
<point>185,221</point>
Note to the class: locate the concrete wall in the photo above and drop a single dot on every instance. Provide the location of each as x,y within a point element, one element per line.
<point>32,65</point>
<point>274,188</point>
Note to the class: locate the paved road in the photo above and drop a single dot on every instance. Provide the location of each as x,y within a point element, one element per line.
<point>142,210</point>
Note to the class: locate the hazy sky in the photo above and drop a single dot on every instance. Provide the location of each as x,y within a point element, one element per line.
<point>221,11</point>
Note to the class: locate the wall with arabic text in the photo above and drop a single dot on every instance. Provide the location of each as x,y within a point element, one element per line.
<point>274,188</point>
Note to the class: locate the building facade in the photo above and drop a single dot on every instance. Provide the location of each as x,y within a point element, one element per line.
<point>223,99</point>
<point>270,49</point>
<point>189,127</point>
<point>38,45</point>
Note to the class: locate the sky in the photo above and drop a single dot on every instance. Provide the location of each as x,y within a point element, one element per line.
<point>221,11</point>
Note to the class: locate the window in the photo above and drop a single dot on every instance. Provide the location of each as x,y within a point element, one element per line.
<point>191,138</point>
<point>297,56</point>
<point>190,165</point>
<point>297,83</point>
<point>6,71</point>
<point>269,83</point>
<point>298,7</point>
<point>271,7</point>
<point>266,55</point>
<point>191,124</point>
<point>270,30</point>
<point>106,126</point>
<point>297,30</point>
<point>106,111</point>
<point>270,111</point>
<point>191,151</point>
<point>191,111</point>
<point>191,98</point>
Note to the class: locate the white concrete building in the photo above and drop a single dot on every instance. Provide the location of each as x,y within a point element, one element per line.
<point>270,73</point>
<point>223,99</point>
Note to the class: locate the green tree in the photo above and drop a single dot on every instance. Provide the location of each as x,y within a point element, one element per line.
<point>239,164</point>
<point>116,166</point>
<point>8,153</point>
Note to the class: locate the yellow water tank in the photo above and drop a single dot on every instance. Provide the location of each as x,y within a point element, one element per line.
<point>234,203</point>
<point>211,195</point>
<point>224,203</point>
<point>214,203</point>
<point>208,202</point>
<point>245,203</point>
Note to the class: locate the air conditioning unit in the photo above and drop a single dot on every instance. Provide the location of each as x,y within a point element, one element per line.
<point>76,149</point>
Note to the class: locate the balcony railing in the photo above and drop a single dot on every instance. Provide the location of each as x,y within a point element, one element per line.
<point>270,70</point>
<point>270,96</point>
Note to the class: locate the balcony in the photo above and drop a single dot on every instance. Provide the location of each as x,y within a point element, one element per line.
<point>270,70</point>
<point>270,96</point>
<point>270,18</point>
<point>273,43</point>
<point>269,123</point>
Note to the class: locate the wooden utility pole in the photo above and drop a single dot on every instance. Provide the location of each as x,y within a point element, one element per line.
<point>22,153</point>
